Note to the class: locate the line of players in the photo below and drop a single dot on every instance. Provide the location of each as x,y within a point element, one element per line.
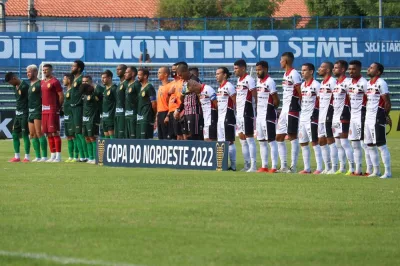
<point>332,115</point>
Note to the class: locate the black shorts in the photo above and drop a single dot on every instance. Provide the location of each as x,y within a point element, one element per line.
<point>245,125</point>
<point>293,125</point>
<point>229,132</point>
<point>90,129</point>
<point>76,115</point>
<point>328,128</point>
<point>212,131</point>
<point>271,130</point>
<point>21,125</point>
<point>314,132</point>
<point>177,124</point>
<point>345,127</point>
<point>193,125</point>
<point>171,130</point>
<point>161,126</point>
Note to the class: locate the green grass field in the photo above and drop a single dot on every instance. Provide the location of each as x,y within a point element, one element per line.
<point>52,214</point>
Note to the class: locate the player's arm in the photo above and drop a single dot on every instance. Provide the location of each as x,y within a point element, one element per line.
<point>388,104</point>
<point>297,87</point>
<point>254,94</point>
<point>153,99</point>
<point>275,100</point>
<point>233,97</point>
<point>60,93</point>
<point>194,86</point>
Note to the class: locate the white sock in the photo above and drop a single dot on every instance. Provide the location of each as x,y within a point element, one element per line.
<point>53,155</point>
<point>274,154</point>
<point>385,154</point>
<point>264,153</point>
<point>368,161</point>
<point>295,152</point>
<point>305,151</point>
<point>334,156</point>
<point>16,156</point>
<point>232,155</point>
<point>373,153</point>
<point>349,153</point>
<point>245,151</point>
<point>253,151</point>
<point>357,156</point>
<point>58,155</point>
<point>341,154</point>
<point>318,157</point>
<point>27,156</point>
<point>326,157</point>
<point>282,153</point>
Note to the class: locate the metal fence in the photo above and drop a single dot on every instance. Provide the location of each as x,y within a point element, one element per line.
<point>22,24</point>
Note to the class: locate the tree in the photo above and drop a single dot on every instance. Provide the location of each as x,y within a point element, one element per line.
<point>220,10</point>
<point>324,8</point>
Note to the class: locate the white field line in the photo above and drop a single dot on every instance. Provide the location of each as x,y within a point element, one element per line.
<point>61,260</point>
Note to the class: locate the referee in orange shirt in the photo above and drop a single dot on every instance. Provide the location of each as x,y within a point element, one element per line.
<point>162,103</point>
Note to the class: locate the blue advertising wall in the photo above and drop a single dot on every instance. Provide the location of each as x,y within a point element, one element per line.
<point>366,45</point>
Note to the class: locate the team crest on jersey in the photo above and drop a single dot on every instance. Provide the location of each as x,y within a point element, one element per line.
<point>143,94</point>
<point>108,93</point>
<point>48,85</point>
<point>130,90</point>
<point>33,89</point>
<point>88,98</point>
<point>96,98</point>
<point>19,92</point>
<point>75,84</point>
<point>67,95</point>
<point>121,87</point>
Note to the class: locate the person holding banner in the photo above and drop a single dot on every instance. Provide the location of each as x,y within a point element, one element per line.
<point>226,97</point>
<point>131,102</point>
<point>109,99</point>
<point>20,126</point>
<point>147,106</point>
<point>35,114</point>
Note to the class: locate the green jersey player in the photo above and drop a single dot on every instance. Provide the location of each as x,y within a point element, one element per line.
<point>109,100</point>
<point>131,102</point>
<point>119,125</point>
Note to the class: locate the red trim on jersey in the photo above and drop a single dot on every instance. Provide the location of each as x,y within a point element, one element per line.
<point>372,81</point>
<point>365,99</point>
<point>308,84</point>
<point>354,81</point>
<point>347,100</point>
<point>296,114</point>
<point>223,84</point>
<point>264,79</point>
<point>202,87</point>
<point>230,103</point>
<point>340,81</point>
<point>326,80</point>
<point>317,103</point>
<point>242,78</point>
<point>288,72</point>
<point>249,96</point>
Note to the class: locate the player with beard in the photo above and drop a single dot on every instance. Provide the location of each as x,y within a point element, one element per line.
<point>131,102</point>
<point>35,114</point>
<point>119,126</point>
<point>267,103</point>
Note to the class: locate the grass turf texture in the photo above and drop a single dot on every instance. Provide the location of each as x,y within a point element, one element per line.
<point>181,217</point>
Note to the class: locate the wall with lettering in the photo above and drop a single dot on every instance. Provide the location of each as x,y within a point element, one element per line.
<point>368,45</point>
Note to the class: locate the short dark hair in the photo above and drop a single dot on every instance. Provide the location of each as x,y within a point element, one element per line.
<point>48,65</point>
<point>181,68</point>
<point>264,64</point>
<point>124,67</point>
<point>88,77</point>
<point>240,63</point>
<point>343,64</point>
<point>134,70</point>
<point>80,64</point>
<point>194,69</point>
<point>330,65</point>
<point>145,71</point>
<point>356,63</point>
<point>70,77</point>
<point>166,69</point>
<point>180,63</point>
<point>226,71</point>
<point>9,76</point>
<point>309,66</point>
<point>380,67</point>
<point>108,73</point>
<point>289,55</point>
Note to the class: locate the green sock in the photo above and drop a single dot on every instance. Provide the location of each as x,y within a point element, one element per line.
<point>43,145</point>
<point>16,142</point>
<point>106,137</point>
<point>111,136</point>
<point>90,150</point>
<point>79,143</point>
<point>27,143</point>
<point>85,147</point>
<point>71,148</point>
<point>76,149</point>
<point>36,146</point>
<point>94,144</point>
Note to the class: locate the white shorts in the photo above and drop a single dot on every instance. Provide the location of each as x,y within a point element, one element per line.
<point>305,132</point>
<point>355,130</point>
<point>374,134</point>
<point>287,124</point>
<point>266,130</point>
<point>206,132</point>
<point>339,128</point>
<point>325,130</point>
<point>245,125</point>
<point>221,131</point>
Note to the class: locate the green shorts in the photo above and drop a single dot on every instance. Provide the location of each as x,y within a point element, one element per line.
<point>90,129</point>
<point>130,127</point>
<point>119,127</point>
<point>34,116</point>
<point>76,119</point>
<point>108,125</point>
<point>69,128</point>
<point>144,130</point>
<point>21,124</point>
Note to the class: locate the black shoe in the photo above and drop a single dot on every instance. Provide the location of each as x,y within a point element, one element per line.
<point>83,161</point>
<point>231,169</point>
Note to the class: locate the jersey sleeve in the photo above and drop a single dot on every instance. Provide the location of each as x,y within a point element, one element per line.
<point>252,83</point>
<point>383,87</point>
<point>365,86</point>
<point>272,86</point>
<point>296,78</point>
<point>231,89</point>
<point>25,89</point>
<point>57,86</point>
<point>317,87</point>
<point>211,92</point>
<point>152,93</point>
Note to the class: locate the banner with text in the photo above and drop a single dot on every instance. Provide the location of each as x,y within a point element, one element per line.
<point>201,155</point>
<point>366,45</point>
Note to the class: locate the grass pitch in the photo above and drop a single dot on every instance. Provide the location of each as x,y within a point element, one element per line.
<point>87,215</point>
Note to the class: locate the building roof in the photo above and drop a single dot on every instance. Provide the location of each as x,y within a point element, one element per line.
<point>85,8</point>
<point>289,8</point>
